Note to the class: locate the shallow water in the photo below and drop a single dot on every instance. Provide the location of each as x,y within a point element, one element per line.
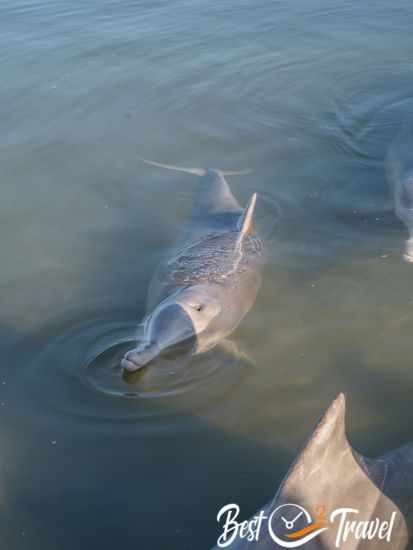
<point>307,94</point>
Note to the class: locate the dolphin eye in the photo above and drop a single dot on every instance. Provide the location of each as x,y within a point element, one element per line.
<point>198,307</point>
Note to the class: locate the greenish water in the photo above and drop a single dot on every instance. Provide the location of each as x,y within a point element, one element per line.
<point>309,95</point>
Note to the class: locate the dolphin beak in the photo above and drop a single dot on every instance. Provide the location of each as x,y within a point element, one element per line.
<point>169,331</point>
<point>139,357</point>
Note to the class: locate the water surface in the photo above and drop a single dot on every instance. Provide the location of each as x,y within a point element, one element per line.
<point>307,94</point>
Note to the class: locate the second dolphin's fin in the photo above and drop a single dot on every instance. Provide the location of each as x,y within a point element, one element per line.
<point>328,478</point>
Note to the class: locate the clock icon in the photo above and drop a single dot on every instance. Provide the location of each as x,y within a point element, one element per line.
<point>291,525</point>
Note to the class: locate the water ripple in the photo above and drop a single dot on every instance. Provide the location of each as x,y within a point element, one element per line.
<point>76,374</point>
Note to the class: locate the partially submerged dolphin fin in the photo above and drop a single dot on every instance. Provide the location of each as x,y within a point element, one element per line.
<point>329,459</point>
<point>236,351</point>
<point>329,475</point>
<point>245,223</point>
<point>195,171</point>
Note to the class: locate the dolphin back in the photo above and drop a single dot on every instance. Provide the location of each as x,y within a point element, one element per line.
<point>329,475</point>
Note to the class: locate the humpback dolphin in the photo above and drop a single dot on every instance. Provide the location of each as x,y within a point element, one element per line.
<point>208,283</point>
<point>399,168</point>
<point>330,476</point>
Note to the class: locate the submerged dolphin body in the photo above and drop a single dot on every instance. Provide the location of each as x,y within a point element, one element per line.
<point>329,475</point>
<point>399,168</point>
<point>201,292</point>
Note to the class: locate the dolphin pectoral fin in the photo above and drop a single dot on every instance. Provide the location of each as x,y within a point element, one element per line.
<point>235,350</point>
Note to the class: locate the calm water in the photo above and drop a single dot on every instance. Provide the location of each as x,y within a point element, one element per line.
<point>309,95</point>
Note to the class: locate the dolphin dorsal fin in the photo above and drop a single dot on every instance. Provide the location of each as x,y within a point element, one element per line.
<point>245,223</point>
<point>320,453</point>
<point>329,472</point>
<point>330,482</point>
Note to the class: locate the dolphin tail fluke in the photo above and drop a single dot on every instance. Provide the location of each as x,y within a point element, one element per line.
<point>195,171</point>
<point>234,172</point>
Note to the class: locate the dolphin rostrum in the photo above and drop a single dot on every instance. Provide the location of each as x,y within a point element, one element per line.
<point>209,281</point>
<point>332,497</point>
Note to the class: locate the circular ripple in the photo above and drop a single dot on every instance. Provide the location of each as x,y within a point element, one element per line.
<point>76,374</point>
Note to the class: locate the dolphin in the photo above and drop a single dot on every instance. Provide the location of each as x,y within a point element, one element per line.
<point>399,169</point>
<point>327,477</point>
<point>209,281</point>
